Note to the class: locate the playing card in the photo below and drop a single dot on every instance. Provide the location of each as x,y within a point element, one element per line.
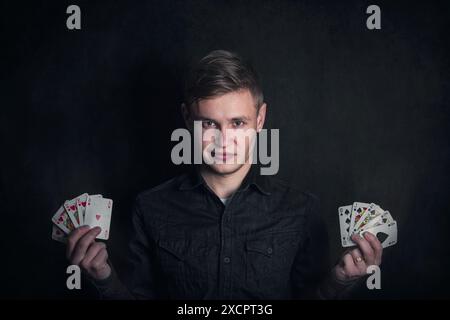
<point>358,210</point>
<point>383,219</point>
<point>58,234</point>
<point>61,220</point>
<point>361,217</point>
<point>81,204</point>
<point>344,223</point>
<point>81,207</point>
<point>385,232</point>
<point>98,213</point>
<point>72,210</point>
<point>371,213</point>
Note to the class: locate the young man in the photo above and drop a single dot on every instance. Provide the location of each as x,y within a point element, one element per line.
<point>223,231</point>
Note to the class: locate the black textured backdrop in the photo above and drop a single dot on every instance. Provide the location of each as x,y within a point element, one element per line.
<point>363,116</point>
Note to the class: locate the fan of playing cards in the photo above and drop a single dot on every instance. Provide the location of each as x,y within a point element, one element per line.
<point>361,217</point>
<point>90,210</point>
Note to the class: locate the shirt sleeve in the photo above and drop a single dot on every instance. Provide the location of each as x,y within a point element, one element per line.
<point>312,272</point>
<point>311,265</point>
<point>142,279</point>
<point>139,281</point>
<point>111,288</point>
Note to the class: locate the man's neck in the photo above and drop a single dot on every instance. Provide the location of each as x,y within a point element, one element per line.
<point>224,185</point>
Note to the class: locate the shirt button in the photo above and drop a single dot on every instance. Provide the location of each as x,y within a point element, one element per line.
<point>226,260</point>
<point>269,250</point>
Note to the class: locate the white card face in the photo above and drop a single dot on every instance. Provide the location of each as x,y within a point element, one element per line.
<point>58,234</point>
<point>72,210</point>
<point>358,210</point>
<point>384,218</point>
<point>61,220</point>
<point>84,204</point>
<point>371,213</point>
<point>374,222</point>
<point>386,233</point>
<point>345,213</point>
<point>81,205</point>
<point>98,214</point>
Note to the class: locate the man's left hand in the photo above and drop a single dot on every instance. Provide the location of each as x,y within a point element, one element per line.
<point>354,263</point>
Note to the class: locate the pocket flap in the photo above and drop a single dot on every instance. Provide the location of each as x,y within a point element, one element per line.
<point>175,247</point>
<point>263,246</point>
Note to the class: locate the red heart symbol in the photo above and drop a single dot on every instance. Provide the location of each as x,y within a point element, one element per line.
<point>97,216</point>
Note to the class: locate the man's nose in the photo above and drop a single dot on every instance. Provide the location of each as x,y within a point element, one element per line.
<point>226,138</point>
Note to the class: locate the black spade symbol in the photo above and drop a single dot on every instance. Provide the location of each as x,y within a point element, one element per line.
<point>382,236</point>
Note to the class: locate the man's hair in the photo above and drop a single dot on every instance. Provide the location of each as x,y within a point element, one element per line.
<point>218,73</point>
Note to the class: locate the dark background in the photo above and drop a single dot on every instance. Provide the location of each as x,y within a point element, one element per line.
<point>363,116</point>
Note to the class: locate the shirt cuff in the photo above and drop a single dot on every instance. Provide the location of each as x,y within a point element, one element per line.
<point>111,287</point>
<point>334,288</point>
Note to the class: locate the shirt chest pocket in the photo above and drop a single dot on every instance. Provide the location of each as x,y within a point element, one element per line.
<point>269,258</point>
<point>184,263</point>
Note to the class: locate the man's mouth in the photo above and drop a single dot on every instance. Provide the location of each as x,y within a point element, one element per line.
<point>224,156</point>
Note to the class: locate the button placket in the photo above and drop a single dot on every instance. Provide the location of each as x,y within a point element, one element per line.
<point>227,242</point>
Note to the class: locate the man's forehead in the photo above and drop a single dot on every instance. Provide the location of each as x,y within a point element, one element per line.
<point>232,105</point>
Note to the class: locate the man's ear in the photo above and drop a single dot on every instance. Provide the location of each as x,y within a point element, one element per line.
<point>261,117</point>
<point>186,116</point>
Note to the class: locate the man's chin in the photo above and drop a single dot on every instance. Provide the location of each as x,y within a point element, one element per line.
<point>225,169</point>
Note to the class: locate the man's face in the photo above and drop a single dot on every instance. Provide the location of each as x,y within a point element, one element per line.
<point>235,115</point>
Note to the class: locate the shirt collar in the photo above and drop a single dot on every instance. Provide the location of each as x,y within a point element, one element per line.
<point>194,179</point>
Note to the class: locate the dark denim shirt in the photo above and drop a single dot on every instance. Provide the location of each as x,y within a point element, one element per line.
<point>268,242</point>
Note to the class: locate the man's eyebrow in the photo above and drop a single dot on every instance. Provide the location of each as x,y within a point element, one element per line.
<point>245,118</point>
<point>242,118</point>
<point>204,119</point>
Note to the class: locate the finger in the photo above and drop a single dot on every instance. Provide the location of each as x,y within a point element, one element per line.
<point>91,252</point>
<point>83,244</point>
<point>357,255</point>
<point>100,259</point>
<point>366,249</point>
<point>349,266</point>
<point>73,238</point>
<point>376,246</point>
<point>342,254</point>
<point>348,260</point>
<point>359,260</point>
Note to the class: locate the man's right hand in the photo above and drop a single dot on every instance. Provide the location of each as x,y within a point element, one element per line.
<point>84,251</point>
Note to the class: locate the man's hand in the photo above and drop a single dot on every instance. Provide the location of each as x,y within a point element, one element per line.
<point>354,263</point>
<point>84,251</point>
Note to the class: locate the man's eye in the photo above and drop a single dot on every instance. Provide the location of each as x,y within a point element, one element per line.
<point>238,123</point>
<point>208,124</point>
